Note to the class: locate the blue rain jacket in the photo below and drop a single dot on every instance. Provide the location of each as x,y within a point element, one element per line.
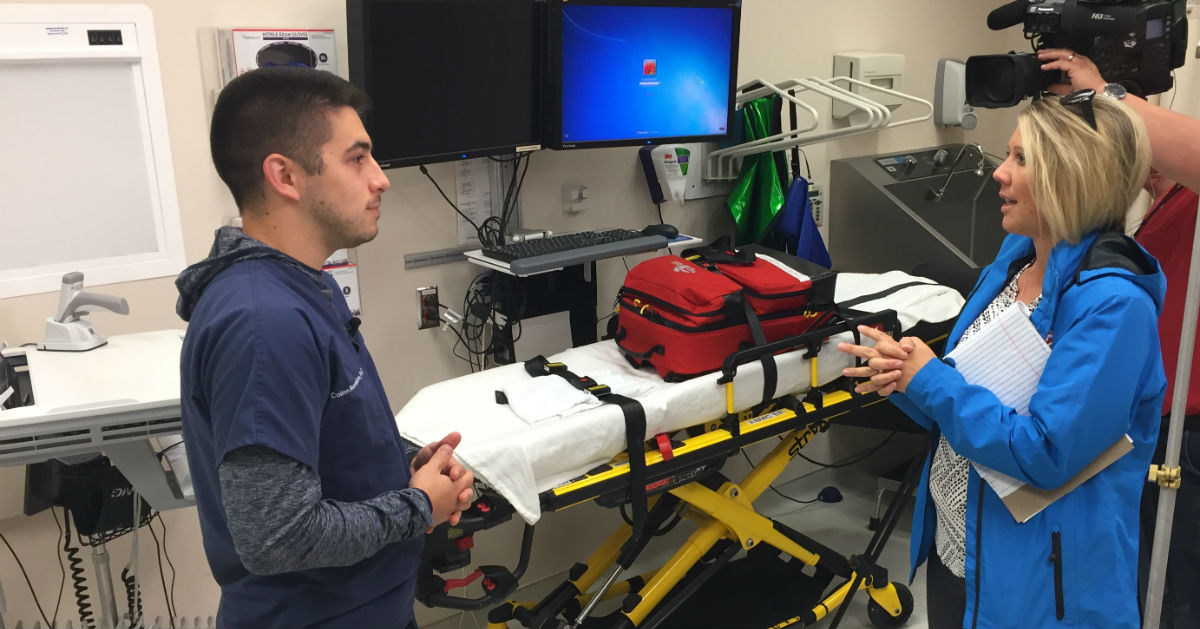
<point>1075,563</point>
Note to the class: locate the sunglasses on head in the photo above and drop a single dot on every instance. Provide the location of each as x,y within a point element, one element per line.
<point>1083,100</point>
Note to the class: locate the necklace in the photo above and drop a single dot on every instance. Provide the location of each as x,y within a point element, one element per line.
<point>1016,286</point>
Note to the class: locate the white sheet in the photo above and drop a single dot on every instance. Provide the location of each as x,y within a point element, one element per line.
<point>520,460</point>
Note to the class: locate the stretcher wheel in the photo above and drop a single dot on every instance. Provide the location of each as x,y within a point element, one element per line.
<point>883,620</point>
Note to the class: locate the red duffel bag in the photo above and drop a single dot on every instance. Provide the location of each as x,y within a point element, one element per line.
<point>685,315</point>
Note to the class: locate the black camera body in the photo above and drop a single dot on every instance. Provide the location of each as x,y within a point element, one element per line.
<point>1135,43</point>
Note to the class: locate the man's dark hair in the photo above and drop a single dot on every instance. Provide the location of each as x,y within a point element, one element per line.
<point>274,110</point>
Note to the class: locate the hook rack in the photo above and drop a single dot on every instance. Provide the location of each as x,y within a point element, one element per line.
<point>866,115</point>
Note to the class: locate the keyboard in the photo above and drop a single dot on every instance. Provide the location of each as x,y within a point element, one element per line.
<point>554,252</point>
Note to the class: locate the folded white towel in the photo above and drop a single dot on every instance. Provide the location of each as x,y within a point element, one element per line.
<point>545,398</point>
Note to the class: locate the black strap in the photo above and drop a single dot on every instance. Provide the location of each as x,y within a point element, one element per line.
<point>770,372</point>
<point>795,149</point>
<point>721,251</point>
<point>635,446</point>
<point>635,443</point>
<point>862,299</point>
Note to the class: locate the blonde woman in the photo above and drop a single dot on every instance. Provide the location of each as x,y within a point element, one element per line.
<point>1074,165</point>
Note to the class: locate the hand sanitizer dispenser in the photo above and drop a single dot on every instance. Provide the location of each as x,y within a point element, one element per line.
<point>666,169</point>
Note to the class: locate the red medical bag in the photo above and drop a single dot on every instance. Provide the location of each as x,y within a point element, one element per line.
<point>685,315</point>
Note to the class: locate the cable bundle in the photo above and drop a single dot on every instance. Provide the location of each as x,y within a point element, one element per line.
<point>78,581</point>
<point>133,599</point>
<point>492,230</point>
<point>492,302</point>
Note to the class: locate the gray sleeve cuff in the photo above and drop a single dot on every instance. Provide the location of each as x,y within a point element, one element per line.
<point>428,502</point>
<point>410,449</point>
<point>280,523</point>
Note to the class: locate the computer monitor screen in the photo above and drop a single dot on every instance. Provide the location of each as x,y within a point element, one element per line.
<point>448,79</point>
<point>629,72</point>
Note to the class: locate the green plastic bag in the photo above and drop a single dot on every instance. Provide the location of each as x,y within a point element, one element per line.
<point>758,194</point>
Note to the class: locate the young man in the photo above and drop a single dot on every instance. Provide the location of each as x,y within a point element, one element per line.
<point>310,510</point>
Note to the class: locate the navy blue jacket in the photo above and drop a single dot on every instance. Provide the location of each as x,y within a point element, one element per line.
<point>267,360</point>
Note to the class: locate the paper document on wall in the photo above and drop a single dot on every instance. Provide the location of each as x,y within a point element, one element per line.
<point>474,195</point>
<point>1007,357</point>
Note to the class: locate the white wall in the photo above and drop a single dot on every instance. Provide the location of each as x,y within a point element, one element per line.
<point>780,39</point>
<point>1185,97</point>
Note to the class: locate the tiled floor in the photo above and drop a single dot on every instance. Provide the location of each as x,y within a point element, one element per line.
<point>841,526</point>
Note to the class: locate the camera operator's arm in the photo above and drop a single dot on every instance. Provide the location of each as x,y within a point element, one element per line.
<point>1174,137</point>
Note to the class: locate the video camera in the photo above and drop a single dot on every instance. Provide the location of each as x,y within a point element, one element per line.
<point>1133,43</point>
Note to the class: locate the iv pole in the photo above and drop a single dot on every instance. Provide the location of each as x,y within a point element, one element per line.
<point>1167,476</point>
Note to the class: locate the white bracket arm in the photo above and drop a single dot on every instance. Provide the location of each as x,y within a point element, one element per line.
<point>867,115</point>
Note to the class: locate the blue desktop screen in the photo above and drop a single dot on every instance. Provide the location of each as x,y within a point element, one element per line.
<point>643,72</point>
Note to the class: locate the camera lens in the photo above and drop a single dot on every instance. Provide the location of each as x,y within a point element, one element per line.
<point>1001,84</point>
<point>995,81</point>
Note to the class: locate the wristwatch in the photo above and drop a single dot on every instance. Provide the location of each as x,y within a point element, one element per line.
<point>1115,91</point>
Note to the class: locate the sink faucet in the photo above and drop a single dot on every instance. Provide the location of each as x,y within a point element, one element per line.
<point>935,194</point>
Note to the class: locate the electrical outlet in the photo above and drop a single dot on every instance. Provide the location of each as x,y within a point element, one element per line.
<point>428,311</point>
<point>816,196</point>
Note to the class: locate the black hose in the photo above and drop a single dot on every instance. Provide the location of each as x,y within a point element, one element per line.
<point>133,599</point>
<point>78,582</point>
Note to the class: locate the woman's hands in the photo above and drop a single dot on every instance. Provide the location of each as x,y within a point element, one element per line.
<point>890,364</point>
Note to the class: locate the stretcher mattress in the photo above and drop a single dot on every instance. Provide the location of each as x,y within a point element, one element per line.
<point>520,459</point>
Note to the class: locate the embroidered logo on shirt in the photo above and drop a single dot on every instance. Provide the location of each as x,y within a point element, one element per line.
<point>354,385</point>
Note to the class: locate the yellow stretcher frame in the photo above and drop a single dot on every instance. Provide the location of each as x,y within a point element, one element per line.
<point>725,518</point>
<point>724,513</point>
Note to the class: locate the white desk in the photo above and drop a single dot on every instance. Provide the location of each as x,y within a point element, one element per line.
<point>108,400</point>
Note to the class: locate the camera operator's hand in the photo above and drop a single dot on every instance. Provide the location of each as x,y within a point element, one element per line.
<point>1082,72</point>
<point>1174,137</point>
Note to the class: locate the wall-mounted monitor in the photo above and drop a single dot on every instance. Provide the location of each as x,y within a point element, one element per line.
<point>448,79</point>
<point>634,72</point>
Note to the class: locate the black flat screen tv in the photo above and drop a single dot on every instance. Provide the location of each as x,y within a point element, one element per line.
<point>448,79</point>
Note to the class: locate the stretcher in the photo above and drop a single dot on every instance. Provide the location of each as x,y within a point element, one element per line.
<point>692,427</point>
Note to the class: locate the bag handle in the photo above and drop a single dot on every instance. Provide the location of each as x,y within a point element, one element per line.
<point>721,251</point>
<point>646,355</point>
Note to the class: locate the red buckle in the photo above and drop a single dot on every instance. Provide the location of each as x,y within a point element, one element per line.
<point>664,446</point>
<point>464,582</point>
<point>465,543</point>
